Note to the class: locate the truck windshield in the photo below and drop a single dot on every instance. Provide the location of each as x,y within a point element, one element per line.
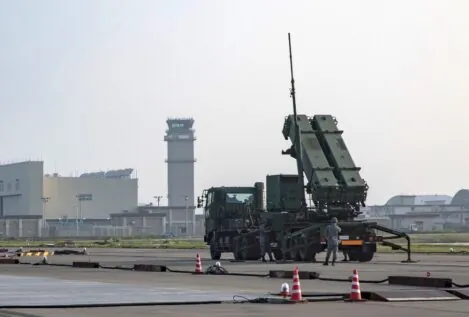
<point>239,198</point>
<point>236,203</point>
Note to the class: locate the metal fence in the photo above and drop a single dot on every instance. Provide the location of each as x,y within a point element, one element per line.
<point>86,230</point>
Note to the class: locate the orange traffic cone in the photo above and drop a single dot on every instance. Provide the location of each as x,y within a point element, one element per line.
<point>198,265</point>
<point>355,292</point>
<point>296,287</point>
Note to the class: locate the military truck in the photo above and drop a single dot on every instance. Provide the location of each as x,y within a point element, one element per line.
<point>230,211</point>
<point>334,187</point>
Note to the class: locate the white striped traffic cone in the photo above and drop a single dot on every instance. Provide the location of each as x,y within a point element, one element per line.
<point>198,264</point>
<point>355,292</point>
<point>296,287</point>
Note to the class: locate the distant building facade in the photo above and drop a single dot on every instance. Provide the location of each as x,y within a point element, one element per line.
<point>72,204</point>
<point>91,195</point>
<point>424,212</point>
<point>21,189</point>
<point>176,219</point>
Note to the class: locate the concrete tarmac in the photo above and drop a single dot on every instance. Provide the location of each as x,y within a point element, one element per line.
<point>452,266</point>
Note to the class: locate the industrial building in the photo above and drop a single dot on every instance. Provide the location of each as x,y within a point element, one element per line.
<point>424,212</point>
<point>91,195</point>
<point>27,196</point>
<point>21,188</point>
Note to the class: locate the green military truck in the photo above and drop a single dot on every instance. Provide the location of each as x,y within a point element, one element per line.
<point>334,188</point>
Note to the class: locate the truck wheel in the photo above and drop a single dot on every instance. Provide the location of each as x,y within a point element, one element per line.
<point>214,254</point>
<point>366,256</point>
<point>244,249</point>
<point>278,254</point>
<point>236,253</point>
<point>352,256</point>
<point>251,249</point>
<point>307,254</point>
<point>361,255</point>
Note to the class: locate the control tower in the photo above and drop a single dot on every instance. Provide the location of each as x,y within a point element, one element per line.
<point>180,137</point>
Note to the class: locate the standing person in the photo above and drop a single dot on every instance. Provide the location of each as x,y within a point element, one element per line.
<point>332,235</point>
<point>264,241</point>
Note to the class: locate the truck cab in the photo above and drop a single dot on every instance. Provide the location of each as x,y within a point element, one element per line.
<point>228,211</point>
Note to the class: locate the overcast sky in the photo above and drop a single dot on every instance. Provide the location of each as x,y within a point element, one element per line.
<point>88,85</point>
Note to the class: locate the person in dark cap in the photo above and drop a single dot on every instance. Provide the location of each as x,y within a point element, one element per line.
<point>332,235</point>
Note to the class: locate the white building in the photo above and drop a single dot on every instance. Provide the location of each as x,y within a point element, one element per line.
<point>21,188</point>
<point>425,212</point>
<point>26,194</point>
<point>407,200</point>
<point>90,196</point>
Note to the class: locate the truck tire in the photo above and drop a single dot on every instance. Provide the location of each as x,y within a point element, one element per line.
<point>308,254</point>
<point>214,254</point>
<point>237,255</point>
<point>352,255</point>
<point>361,255</point>
<point>278,254</point>
<point>236,249</point>
<point>366,256</point>
<point>250,248</point>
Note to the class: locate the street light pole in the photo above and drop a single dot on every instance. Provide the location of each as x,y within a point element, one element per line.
<point>80,198</point>
<point>76,220</point>
<point>45,200</point>
<point>187,207</point>
<point>158,198</point>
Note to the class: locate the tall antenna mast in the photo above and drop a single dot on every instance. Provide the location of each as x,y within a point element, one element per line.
<point>297,142</point>
<point>292,91</point>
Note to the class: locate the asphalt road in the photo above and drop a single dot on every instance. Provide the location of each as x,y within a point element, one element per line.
<point>47,284</point>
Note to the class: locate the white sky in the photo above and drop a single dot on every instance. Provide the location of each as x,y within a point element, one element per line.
<point>87,86</point>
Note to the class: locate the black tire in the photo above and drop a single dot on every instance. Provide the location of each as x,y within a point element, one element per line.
<point>361,255</point>
<point>253,252</point>
<point>297,256</point>
<point>244,250</point>
<point>236,253</point>
<point>366,256</point>
<point>353,255</point>
<point>278,254</point>
<point>307,254</point>
<point>214,254</point>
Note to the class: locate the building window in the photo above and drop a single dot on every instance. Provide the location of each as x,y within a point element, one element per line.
<point>1,186</point>
<point>9,187</point>
<point>17,184</point>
